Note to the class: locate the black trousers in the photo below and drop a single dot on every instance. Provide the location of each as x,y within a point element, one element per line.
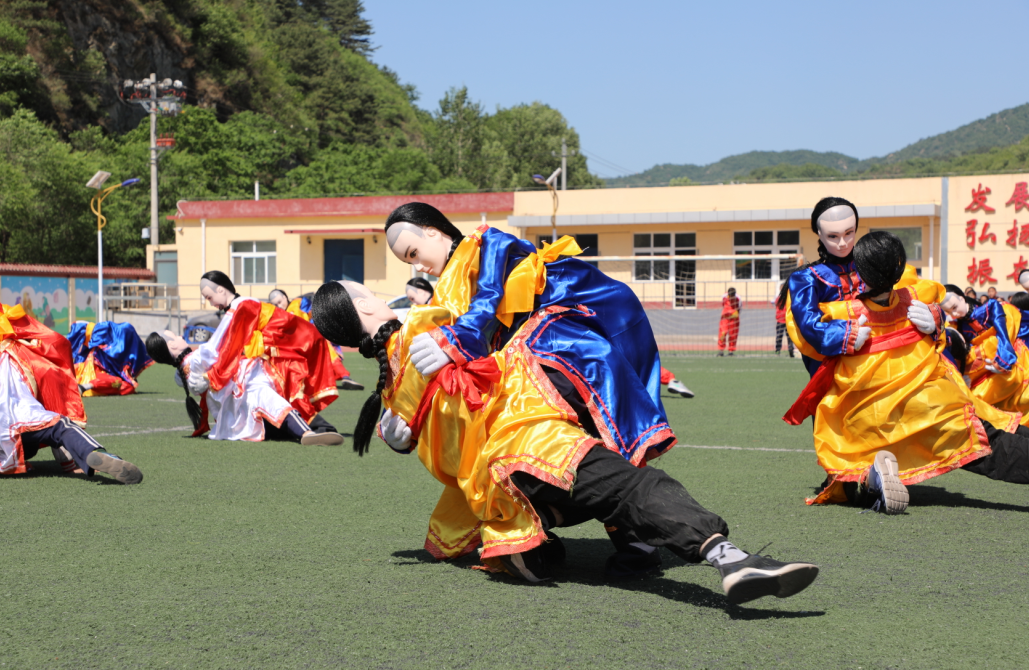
<point>1009,461</point>
<point>65,434</point>
<point>293,428</point>
<point>648,502</point>
<point>780,331</point>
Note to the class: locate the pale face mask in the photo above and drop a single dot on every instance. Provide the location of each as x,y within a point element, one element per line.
<point>955,306</point>
<point>218,296</point>
<point>837,229</point>
<point>372,309</point>
<point>418,296</point>
<point>424,248</point>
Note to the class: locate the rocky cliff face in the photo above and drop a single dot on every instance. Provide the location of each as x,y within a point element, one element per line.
<point>106,43</point>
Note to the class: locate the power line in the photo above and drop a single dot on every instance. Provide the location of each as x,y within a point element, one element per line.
<point>608,163</point>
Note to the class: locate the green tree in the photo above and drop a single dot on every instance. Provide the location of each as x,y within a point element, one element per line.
<point>680,181</point>
<point>530,136</point>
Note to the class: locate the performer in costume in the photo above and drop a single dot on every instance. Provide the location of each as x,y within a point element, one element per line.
<point>600,341</point>
<point>301,308</point>
<point>997,363</point>
<point>895,412</point>
<point>1020,300</point>
<point>108,357</point>
<point>419,291</point>
<point>508,450</point>
<point>40,403</point>
<point>262,368</point>
<point>832,277</point>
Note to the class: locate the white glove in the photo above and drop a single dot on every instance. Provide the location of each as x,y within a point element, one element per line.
<point>426,355</point>
<point>395,432</point>
<point>921,317</point>
<point>862,333</point>
<point>992,367</point>
<point>197,382</point>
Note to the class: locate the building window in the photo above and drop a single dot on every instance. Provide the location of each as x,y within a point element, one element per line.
<point>912,239</point>
<point>253,262</point>
<point>764,243</point>
<point>588,242</point>
<point>664,244</point>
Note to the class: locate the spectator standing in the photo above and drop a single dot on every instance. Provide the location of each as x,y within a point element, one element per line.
<point>729,324</point>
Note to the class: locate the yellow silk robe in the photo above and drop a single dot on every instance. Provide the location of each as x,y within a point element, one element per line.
<point>523,426</point>
<point>905,400</point>
<point>1008,391</point>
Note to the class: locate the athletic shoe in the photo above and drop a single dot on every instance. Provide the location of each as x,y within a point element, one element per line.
<point>758,576</point>
<point>528,565</point>
<point>348,384</point>
<point>122,470</point>
<point>321,439</point>
<point>676,386</point>
<point>634,561</point>
<point>731,353</point>
<point>720,353</point>
<point>884,483</point>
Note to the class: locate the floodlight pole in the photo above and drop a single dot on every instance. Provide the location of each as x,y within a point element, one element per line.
<point>95,205</point>
<point>154,234</point>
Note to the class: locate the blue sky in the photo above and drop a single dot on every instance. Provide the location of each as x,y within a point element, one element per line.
<point>654,81</point>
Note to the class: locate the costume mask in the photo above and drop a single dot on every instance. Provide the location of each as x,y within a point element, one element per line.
<point>424,248</point>
<point>372,309</point>
<point>418,296</point>
<point>955,306</point>
<point>218,296</point>
<point>837,229</point>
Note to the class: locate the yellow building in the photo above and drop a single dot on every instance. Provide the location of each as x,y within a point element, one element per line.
<point>957,229</point>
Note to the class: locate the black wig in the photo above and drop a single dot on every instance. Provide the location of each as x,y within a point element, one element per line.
<point>426,216</point>
<point>334,315</point>
<point>879,259</point>
<point>821,207</point>
<point>1020,300</point>
<point>957,347</point>
<point>221,279</point>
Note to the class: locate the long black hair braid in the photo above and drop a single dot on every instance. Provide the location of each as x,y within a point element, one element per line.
<point>334,315</point>
<point>426,216</point>
<point>824,256</point>
<point>157,347</point>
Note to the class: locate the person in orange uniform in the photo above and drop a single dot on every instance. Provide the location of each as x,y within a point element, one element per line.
<point>729,324</point>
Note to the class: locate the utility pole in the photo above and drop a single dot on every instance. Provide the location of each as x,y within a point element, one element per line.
<point>154,234</point>
<point>166,98</point>
<point>564,163</point>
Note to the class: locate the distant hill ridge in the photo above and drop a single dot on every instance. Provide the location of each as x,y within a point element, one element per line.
<point>1002,129</point>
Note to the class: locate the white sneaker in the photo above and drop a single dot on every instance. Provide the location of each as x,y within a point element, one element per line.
<point>676,386</point>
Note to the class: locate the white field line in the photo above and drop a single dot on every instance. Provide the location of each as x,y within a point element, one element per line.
<point>792,451</point>
<point>144,432</point>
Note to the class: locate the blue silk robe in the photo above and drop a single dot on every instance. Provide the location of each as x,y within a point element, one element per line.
<point>822,282</point>
<point>984,317</point>
<point>586,325</point>
<point>116,348</point>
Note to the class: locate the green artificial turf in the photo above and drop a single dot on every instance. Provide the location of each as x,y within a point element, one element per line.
<point>234,555</point>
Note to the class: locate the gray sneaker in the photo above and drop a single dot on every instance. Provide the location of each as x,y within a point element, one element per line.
<point>120,469</point>
<point>676,386</point>
<point>884,483</point>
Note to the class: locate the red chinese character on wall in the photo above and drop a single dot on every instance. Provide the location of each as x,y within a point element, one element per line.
<point>1023,234</point>
<point>981,272</point>
<point>979,200</point>
<point>1020,198</point>
<point>1022,264</point>
<point>1012,236</point>
<point>986,234</point>
<point>970,233</point>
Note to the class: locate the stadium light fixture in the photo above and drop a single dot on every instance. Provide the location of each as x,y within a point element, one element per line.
<point>549,183</point>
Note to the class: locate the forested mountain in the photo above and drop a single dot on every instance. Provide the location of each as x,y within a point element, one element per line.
<point>285,92</point>
<point>950,152</point>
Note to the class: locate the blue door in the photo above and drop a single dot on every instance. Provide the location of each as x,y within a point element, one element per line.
<point>344,259</point>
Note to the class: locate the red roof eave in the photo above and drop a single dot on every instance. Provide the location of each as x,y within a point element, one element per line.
<point>78,271</point>
<point>452,203</point>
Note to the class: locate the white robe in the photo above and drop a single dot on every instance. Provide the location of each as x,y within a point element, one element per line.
<point>235,412</point>
<point>20,412</point>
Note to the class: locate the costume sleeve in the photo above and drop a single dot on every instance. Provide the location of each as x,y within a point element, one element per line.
<point>468,338</point>
<point>996,318</point>
<point>828,338</point>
